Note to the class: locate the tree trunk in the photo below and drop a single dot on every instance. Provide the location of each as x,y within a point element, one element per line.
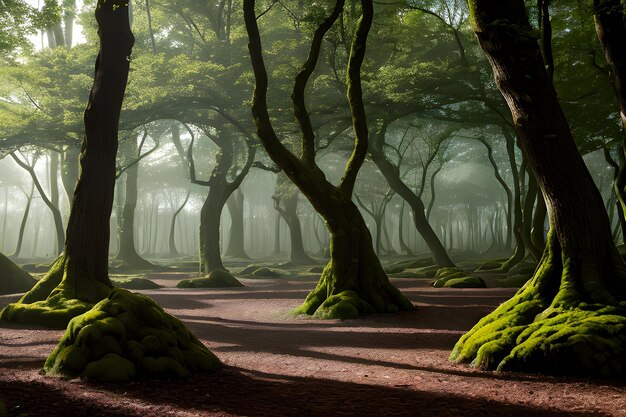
<point>20,236</point>
<point>423,227</point>
<point>353,282</point>
<point>69,170</point>
<point>127,251</point>
<point>236,240</point>
<point>570,317</point>
<point>210,219</point>
<point>172,236</point>
<point>287,206</point>
<point>79,278</point>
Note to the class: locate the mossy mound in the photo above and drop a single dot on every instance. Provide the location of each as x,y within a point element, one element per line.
<point>266,273</point>
<point>128,336</point>
<point>250,269</point>
<point>14,279</point>
<point>456,278</point>
<point>316,269</point>
<point>218,278</point>
<point>422,272</point>
<point>136,284</point>
<point>342,306</point>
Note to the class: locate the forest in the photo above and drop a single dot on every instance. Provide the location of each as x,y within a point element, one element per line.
<point>318,208</point>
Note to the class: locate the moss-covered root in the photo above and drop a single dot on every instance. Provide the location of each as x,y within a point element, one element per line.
<point>128,336</point>
<point>218,278</point>
<point>57,310</point>
<point>548,327</point>
<point>373,294</point>
<point>456,278</point>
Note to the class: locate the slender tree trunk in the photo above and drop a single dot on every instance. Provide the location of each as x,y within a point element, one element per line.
<point>127,251</point>
<point>287,206</point>
<point>520,249</point>
<point>423,227</point>
<point>20,236</point>
<point>578,287</point>
<point>172,236</point>
<point>236,241</point>
<point>79,278</point>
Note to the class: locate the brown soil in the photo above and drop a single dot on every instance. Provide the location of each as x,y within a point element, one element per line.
<point>281,365</point>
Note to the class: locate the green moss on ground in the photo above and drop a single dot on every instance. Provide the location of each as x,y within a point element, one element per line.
<point>128,336</point>
<point>250,269</point>
<point>218,278</point>
<point>14,279</point>
<point>136,284</point>
<point>266,273</point>
<point>456,278</point>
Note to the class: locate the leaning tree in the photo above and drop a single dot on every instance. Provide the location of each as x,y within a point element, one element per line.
<point>571,316</point>
<point>353,282</point>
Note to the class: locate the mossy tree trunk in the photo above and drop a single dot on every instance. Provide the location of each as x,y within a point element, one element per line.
<point>570,318</point>
<point>79,278</point>
<point>353,282</point>
<point>172,235</point>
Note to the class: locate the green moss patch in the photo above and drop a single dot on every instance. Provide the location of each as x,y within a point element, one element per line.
<point>491,265</point>
<point>218,278</point>
<point>128,336</point>
<point>57,310</point>
<point>250,269</point>
<point>512,281</point>
<point>316,269</point>
<point>13,279</point>
<point>136,284</point>
<point>342,306</point>
<point>456,278</point>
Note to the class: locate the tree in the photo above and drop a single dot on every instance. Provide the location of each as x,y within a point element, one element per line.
<point>570,317</point>
<point>79,277</point>
<point>353,282</point>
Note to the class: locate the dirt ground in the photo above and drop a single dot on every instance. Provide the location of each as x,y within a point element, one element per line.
<point>280,365</point>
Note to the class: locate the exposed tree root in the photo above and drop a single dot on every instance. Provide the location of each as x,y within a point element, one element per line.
<point>564,321</point>
<point>218,278</point>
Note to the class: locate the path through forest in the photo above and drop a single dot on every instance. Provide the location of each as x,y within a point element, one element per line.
<point>281,365</point>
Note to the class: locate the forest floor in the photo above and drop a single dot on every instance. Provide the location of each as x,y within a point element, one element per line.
<point>281,365</point>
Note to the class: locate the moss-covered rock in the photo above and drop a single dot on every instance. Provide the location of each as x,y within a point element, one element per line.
<point>218,278</point>
<point>128,336</point>
<point>14,279</point>
<point>136,284</point>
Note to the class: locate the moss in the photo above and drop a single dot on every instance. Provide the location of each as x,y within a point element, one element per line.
<point>422,272</point>
<point>249,269</point>
<point>128,336</point>
<point>316,269</point>
<point>345,305</point>
<point>218,278</point>
<point>512,281</point>
<point>469,281</point>
<point>561,322</point>
<point>456,278</point>
<point>136,284</point>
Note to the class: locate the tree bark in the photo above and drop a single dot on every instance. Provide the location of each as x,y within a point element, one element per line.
<point>20,236</point>
<point>236,241</point>
<point>127,251</point>
<point>79,278</point>
<point>353,282</point>
<point>579,286</point>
